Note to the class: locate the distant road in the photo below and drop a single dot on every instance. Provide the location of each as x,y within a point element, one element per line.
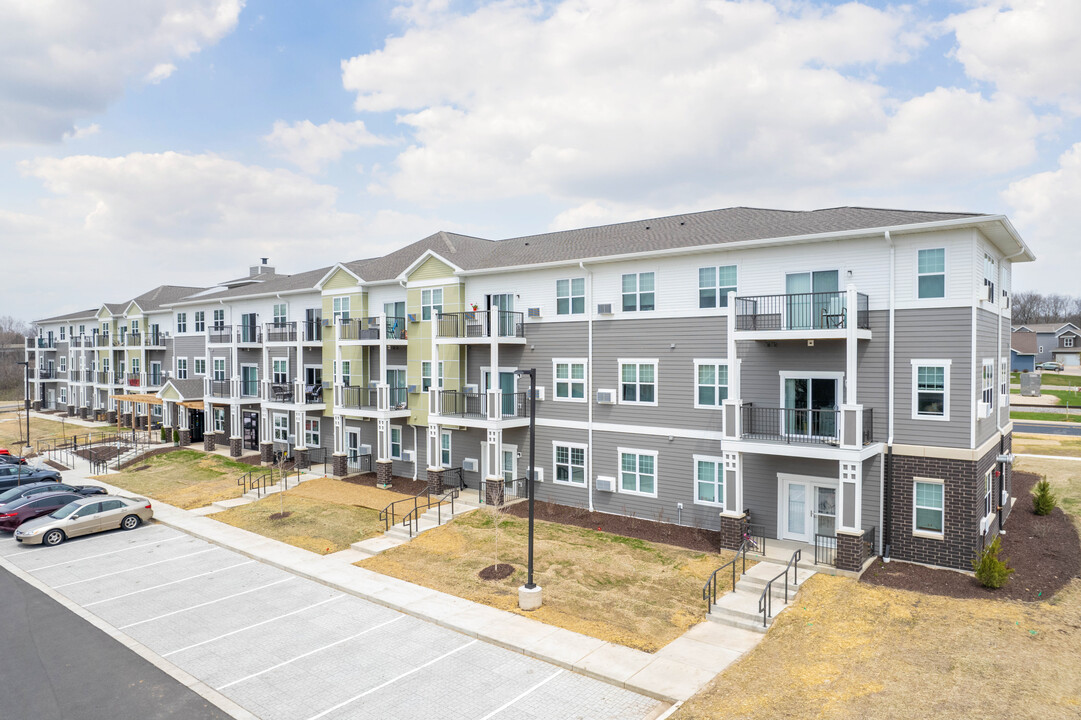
<point>1047,428</point>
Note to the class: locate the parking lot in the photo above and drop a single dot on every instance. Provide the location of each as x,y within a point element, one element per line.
<point>288,648</point>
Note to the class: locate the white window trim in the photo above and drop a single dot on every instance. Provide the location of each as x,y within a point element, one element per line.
<point>694,380</point>
<point>719,462</point>
<point>585,464</point>
<point>176,322</point>
<point>929,534</point>
<point>214,370</point>
<point>585,379</point>
<point>177,370</point>
<point>987,386</point>
<point>274,318</point>
<point>571,296</point>
<point>944,274</point>
<point>1067,342</point>
<point>638,291</point>
<point>318,432</point>
<point>717,287</point>
<point>619,472</point>
<point>274,428</point>
<point>945,364</point>
<point>1041,348</point>
<point>394,428</point>
<point>431,304</point>
<point>656,380</point>
<point>194,364</point>
<point>218,413</point>
<point>274,361</point>
<point>450,451</point>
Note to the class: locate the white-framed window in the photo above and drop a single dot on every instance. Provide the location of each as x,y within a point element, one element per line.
<point>396,442</point>
<point>345,372</point>
<point>989,277</point>
<point>281,427</point>
<point>219,420</point>
<point>638,472</point>
<point>63,363</point>
<point>928,507</point>
<point>714,284</point>
<point>439,375</point>
<point>931,273</point>
<point>570,379</point>
<point>444,448</point>
<point>105,365</point>
<point>988,495</point>
<point>431,303</point>
<point>639,291</point>
<point>63,331</point>
<point>199,365</point>
<point>134,327</point>
<point>708,480</point>
<point>279,314</point>
<point>1067,342</point>
<point>82,329</point>
<point>340,306</point>
<point>638,382</point>
<point>311,432</point>
<point>1004,380</point>
<point>219,319</point>
<point>181,322</point>
<point>182,368</point>
<point>987,387</point>
<point>200,321</point>
<point>1041,349</point>
<point>425,375</point>
<point>569,461</point>
<point>219,368</point>
<point>571,296</point>
<point>135,365</point>
<point>931,389</point>
<point>710,383</point>
<point>63,395</point>
<point>280,371</point>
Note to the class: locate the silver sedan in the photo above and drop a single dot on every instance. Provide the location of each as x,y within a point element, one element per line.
<point>85,516</point>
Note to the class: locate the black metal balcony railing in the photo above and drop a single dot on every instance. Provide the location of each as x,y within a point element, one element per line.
<point>360,398</point>
<point>868,426</point>
<point>46,374</point>
<point>154,339</point>
<point>249,388</point>
<point>475,405</point>
<point>220,334</point>
<point>480,324</point>
<point>133,380</point>
<point>791,425</point>
<point>248,334</point>
<point>799,311</point>
<point>399,398</point>
<point>313,331</point>
<point>45,343</point>
<point>31,343</point>
<point>102,340</point>
<point>220,388</point>
<point>155,379</point>
<point>133,339</point>
<point>281,332</point>
<point>282,392</point>
<point>76,342</point>
<point>117,378</point>
<point>369,328</point>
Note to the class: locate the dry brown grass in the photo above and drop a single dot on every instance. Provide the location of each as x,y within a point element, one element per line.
<point>1065,478</point>
<point>316,525</point>
<point>13,430</point>
<point>336,491</point>
<point>184,478</point>
<point>1047,445</point>
<point>619,589</point>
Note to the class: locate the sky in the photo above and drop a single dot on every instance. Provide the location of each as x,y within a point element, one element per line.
<point>177,141</point>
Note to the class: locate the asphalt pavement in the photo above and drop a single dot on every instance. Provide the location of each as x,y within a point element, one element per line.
<point>1046,428</point>
<point>55,665</point>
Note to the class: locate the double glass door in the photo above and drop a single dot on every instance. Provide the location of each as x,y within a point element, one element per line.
<point>502,307</point>
<point>813,300</point>
<point>809,509</point>
<point>506,387</point>
<point>810,407</point>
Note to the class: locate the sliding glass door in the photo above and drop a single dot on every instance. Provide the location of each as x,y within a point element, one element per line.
<point>813,298</point>
<point>810,407</point>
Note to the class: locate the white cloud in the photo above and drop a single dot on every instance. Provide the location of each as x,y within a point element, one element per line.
<point>63,61</point>
<point>311,147</point>
<point>78,133</point>
<point>634,103</point>
<point>1026,48</point>
<point>160,72</point>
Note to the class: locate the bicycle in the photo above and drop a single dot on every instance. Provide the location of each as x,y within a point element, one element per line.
<point>746,531</point>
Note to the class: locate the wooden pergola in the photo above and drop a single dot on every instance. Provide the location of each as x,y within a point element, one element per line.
<point>146,398</point>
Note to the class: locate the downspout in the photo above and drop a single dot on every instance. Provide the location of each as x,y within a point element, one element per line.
<point>589,385</point>
<point>885,507</point>
<point>416,450</point>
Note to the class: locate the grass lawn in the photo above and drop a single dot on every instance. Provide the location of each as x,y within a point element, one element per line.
<point>316,525</point>
<point>343,493</point>
<point>1051,378</point>
<point>184,478</point>
<point>13,430</point>
<point>624,590</point>
<point>1057,417</point>
<point>1047,444</point>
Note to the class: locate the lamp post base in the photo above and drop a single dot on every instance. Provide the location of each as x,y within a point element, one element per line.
<point>529,598</point>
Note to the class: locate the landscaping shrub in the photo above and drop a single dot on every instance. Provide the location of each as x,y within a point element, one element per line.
<point>1043,500</point>
<point>164,435</point>
<point>176,436</point>
<point>990,571</point>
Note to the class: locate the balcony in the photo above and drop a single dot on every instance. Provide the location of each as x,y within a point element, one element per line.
<point>133,339</point>
<point>77,342</point>
<point>154,340</point>
<point>493,405</point>
<point>249,335</point>
<point>800,315</point>
<point>41,343</point>
<point>154,379</point>
<point>804,427</point>
<point>101,340</point>
<point>480,325</point>
<point>372,399</point>
<point>283,332</point>
<point>370,329</point>
<point>293,392</point>
<point>313,331</point>
<point>46,374</point>
<point>220,335</point>
<point>353,397</point>
<point>218,388</point>
<point>134,380</point>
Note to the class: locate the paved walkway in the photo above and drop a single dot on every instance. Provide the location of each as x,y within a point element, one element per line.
<point>673,674</point>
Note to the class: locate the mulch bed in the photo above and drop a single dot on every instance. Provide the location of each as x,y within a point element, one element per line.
<point>688,537</point>
<point>281,515</point>
<point>56,466</point>
<point>496,572</point>
<point>406,486</point>
<point>1044,552</point>
<point>98,453</point>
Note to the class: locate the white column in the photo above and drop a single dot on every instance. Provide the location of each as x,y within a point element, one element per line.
<point>383,439</point>
<point>433,447</point>
<point>339,434</point>
<point>298,418</point>
<point>383,347</point>
<point>851,344</point>
<point>848,497</point>
<point>234,420</point>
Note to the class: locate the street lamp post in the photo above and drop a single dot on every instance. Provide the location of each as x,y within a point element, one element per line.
<point>529,595</point>
<point>26,408</point>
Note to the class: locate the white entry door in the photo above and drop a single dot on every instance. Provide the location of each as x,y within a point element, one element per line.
<point>807,508</point>
<point>352,448</point>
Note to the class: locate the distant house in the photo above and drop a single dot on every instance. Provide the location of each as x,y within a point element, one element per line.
<point>1023,351</point>
<point>1049,340</point>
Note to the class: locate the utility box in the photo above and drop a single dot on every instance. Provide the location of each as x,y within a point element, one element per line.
<point>1030,384</point>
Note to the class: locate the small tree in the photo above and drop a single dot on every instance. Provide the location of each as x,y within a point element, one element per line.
<point>1043,500</point>
<point>990,571</point>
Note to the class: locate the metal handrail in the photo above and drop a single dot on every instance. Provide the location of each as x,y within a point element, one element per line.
<point>709,590</point>
<point>412,518</point>
<point>765,600</point>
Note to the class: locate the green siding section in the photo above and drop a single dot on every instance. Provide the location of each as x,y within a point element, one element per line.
<point>420,346</point>
<point>340,280</point>
<point>431,269</point>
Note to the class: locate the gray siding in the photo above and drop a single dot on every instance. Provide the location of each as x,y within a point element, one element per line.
<point>761,487</point>
<point>872,495</point>
<point>987,339</point>
<point>190,347</point>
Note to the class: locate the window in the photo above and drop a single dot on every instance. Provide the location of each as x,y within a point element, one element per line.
<point>711,383</point>
<point>431,303</point>
<point>930,389</point>
<point>105,365</point>
<point>1004,382</point>
<point>219,319</point>
<point>62,329</point>
<point>931,273</point>
<point>63,396</point>
<point>570,464</point>
<point>1067,342</point>
<point>714,284</point>
<point>135,326</point>
<point>219,368</point>
<point>279,314</point>
<point>345,372</point>
<point>638,472</point>
<point>570,380</point>
<point>425,376</point>
<point>987,387</point>
<point>988,496</point>
<point>181,322</point>
<point>639,381</point>
<point>444,448</point>
<point>989,277</point>
<point>281,428</point>
<point>571,296</point>
<point>200,366</point>
<point>281,371</point>
<point>311,432</point>
<point>439,378</point>
<point>638,291</point>
<point>928,507</point>
<point>82,329</point>
<point>708,481</point>
<point>395,442</point>
<point>135,366</point>
<point>340,309</point>
<point>63,363</point>
<point>219,420</point>
<point>200,321</point>
<point>182,368</point>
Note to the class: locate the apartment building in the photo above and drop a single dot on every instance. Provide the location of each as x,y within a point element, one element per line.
<point>840,375</point>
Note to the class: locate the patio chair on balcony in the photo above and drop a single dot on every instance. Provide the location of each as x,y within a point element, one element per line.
<point>313,393</point>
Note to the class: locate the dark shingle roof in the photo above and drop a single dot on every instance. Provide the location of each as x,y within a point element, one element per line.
<point>189,388</point>
<point>79,315</point>
<point>270,284</point>
<point>1023,342</point>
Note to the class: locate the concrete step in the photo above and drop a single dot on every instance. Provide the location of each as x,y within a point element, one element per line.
<point>377,545</point>
<point>777,590</point>
<point>722,619</point>
<point>742,606</point>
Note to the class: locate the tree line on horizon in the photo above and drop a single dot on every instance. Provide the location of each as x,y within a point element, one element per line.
<point>1034,307</point>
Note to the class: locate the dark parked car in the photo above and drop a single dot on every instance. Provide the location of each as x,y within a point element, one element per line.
<point>1051,365</point>
<point>34,488</point>
<point>13,475</point>
<point>7,458</point>
<point>15,513</point>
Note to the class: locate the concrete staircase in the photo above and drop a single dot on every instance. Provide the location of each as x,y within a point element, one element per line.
<point>398,534</point>
<point>739,608</point>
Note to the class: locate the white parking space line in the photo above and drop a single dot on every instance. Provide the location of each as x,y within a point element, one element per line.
<point>138,567</point>
<point>112,552</point>
<point>507,704</point>
<point>404,675</point>
<point>249,627</point>
<point>312,652</point>
<point>209,602</point>
<point>174,582</point>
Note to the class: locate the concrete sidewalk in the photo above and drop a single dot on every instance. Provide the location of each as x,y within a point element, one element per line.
<point>673,674</point>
